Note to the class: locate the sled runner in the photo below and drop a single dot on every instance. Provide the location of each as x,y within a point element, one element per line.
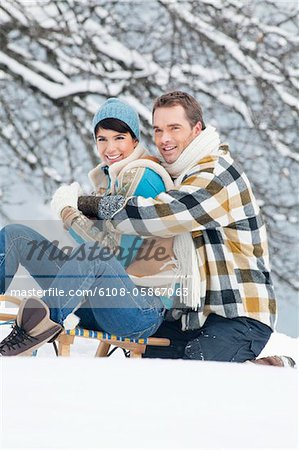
<point>136,347</point>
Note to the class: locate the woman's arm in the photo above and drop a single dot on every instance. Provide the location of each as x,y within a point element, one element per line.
<point>80,227</point>
<point>139,181</point>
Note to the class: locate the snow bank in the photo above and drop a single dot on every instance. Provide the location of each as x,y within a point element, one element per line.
<point>280,344</point>
<point>84,403</point>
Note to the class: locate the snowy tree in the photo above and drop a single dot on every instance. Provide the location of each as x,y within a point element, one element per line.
<point>60,59</point>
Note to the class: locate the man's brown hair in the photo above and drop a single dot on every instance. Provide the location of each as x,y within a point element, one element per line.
<point>191,106</point>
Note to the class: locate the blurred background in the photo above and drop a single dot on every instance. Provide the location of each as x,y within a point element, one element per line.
<point>60,59</point>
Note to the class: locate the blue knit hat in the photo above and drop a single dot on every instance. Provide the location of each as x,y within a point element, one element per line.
<point>113,108</point>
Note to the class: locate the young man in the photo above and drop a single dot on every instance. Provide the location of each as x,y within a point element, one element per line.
<point>229,309</point>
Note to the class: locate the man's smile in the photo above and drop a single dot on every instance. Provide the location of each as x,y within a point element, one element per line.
<point>169,148</point>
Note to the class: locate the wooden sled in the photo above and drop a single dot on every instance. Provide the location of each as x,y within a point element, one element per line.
<point>136,347</point>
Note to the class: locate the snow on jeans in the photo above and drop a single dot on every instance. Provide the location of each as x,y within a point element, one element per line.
<point>102,291</point>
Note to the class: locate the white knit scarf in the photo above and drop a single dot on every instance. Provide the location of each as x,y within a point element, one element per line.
<point>188,275</point>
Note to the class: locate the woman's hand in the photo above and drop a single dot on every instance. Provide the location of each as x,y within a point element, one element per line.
<point>65,196</point>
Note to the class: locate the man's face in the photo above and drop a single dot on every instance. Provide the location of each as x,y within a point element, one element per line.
<point>172,131</point>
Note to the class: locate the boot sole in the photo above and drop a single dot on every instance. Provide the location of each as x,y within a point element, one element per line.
<point>38,345</point>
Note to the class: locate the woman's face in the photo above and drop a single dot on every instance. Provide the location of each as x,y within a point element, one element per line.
<point>114,146</point>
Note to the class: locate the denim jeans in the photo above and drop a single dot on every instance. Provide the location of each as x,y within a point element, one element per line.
<point>99,291</point>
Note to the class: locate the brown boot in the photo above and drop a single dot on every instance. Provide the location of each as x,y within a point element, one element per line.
<point>32,329</point>
<point>279,361</point>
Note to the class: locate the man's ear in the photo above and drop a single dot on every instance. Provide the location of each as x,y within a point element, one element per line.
<point>197,128</point>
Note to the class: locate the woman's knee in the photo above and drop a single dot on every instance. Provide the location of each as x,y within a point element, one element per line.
<point>21,238</point>
<point>8,233</point>
<point>15,230</point>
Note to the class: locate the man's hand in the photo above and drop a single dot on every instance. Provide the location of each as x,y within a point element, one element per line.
<point>65,196</point>
<point>89,205</point>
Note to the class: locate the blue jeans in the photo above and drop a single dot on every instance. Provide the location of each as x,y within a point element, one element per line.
<point>97,288</point>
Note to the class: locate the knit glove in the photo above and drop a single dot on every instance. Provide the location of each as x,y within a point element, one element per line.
<point>65,196</point>
<point>89,205</point>
<point>100,207</point>
<point>109,205</point>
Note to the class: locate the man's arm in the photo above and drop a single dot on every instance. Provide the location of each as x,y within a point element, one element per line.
<point>201,202</point>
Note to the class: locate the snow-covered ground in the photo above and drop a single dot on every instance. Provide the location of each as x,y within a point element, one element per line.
<point>83,402</point>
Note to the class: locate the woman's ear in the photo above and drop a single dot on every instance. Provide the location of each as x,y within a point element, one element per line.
<point>136,142</point>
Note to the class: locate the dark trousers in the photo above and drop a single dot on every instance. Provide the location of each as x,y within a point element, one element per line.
<point>219,339</point>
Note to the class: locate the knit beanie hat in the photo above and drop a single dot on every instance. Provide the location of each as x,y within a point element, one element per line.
<point>113,108</point>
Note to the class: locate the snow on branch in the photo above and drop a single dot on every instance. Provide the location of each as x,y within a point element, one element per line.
<point>223,41</point>
<point>57,91</point>
<point>282,148</point>
<point>253,68</point>
<point>233,15</point>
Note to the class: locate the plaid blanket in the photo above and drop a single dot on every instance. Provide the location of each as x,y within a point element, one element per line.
<point>216,204</point>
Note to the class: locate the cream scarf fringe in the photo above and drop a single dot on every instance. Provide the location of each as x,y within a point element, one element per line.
<point>188,274</point>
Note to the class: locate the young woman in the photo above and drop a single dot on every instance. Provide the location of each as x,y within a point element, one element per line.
<point>109,280</point>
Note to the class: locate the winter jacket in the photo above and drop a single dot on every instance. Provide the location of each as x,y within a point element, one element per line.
<point>216,204</point>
